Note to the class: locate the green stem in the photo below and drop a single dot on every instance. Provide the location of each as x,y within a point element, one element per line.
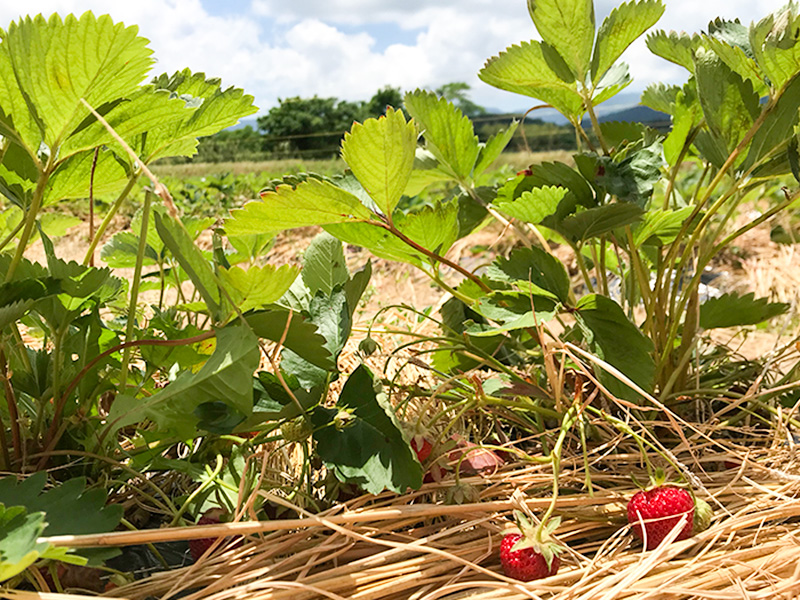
<point>30,218</point>
<point>388,226</point>
<point>208,481</point>
<point>58,342</point>
<point>582,267</point>
<point>680,306</point>
<point>589,106</point>
<point>101,231</point>
<point>715,182</point>
<point>602,271</point>
<point>677,167</point>
<point>450,290</point>
<point>569,420</point>
<point>12,235</point>
<point>641,275</point>
<point>11,402</point>
<point>134,300</point>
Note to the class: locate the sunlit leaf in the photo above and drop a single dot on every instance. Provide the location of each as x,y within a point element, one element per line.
<point>313,202</point>
<point>257,286</point>
<point>623,25</point>
<point>674,47</point>
<point>567,26</point>
<point>380,152</point>
<point>449,134</point>
<point>527,69</point>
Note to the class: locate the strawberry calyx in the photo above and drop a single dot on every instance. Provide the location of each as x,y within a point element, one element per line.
<point>538,536</point>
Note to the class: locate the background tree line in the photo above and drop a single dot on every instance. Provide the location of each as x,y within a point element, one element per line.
<point>313,127</point>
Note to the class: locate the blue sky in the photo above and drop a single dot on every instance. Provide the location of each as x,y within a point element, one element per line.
<point>350,48</point>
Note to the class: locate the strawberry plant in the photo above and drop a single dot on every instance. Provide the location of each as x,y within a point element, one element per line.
<point>626,211</point>
<point>204,350</point>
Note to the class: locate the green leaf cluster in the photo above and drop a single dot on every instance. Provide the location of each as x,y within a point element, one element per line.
<point>574,66</point>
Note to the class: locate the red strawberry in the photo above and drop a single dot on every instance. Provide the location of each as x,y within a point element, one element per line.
<point>525,172</point>
<point>422,447</point>
<point>199,546</point>
<point>661,508</point>
<point>534,553</point>
<point>526,564</point>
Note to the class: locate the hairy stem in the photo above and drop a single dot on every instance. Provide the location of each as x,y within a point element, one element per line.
<point>30,218</point>
<point>134,299</point>
<point>106,222</point>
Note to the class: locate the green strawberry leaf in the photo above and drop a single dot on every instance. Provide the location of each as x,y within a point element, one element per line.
<point>613,338</point>
<point>449,134</point>
<point>729,103</point>
<point>370,451</point>
<point>633,178</point>
<point>661,227</point>
<point>730,40</point>
<point>493,148</point>
<point>209,109</point>
<point>595,222</point>
<point>775,45</point>
<point>380,152</point>
<point>660,97</point>
<point>532,70</point>
<point>778,125</point>
<point>567,26</point>
<point>257,286</point>
<point>312,202</point>
<point>302,336</point>
<point>324,265</point>
<point>535,205</point>
<point>19,532</point>
<point>675,47</point>
<point>70,508</point>
<point>533,269</point>
<point>731,310</point>
<point>626,23</point>
<point>227,377</point>
<point>48,66</point>
<point>72,178</point>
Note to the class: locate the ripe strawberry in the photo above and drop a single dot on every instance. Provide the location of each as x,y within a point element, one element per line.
<point>199,546</point>
<point>661,508</point>
<point>533,554</point>
<point>422,447</point>
<point>526,564</point>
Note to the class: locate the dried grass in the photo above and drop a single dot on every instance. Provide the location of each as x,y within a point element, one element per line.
<point>415,546</point>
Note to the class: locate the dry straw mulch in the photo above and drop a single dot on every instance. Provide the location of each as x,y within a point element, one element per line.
<point>416,546</point>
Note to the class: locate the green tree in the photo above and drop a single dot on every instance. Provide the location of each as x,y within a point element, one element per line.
<point>231,145</point>
<point>386,96</point>
<point>457,93</point>
<point>308,126</point>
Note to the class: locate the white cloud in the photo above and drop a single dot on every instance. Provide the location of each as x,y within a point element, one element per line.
<point>276,49</point>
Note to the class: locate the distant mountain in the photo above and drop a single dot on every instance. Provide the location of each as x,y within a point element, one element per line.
<point>252,121</point>
<point>638,114</point>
